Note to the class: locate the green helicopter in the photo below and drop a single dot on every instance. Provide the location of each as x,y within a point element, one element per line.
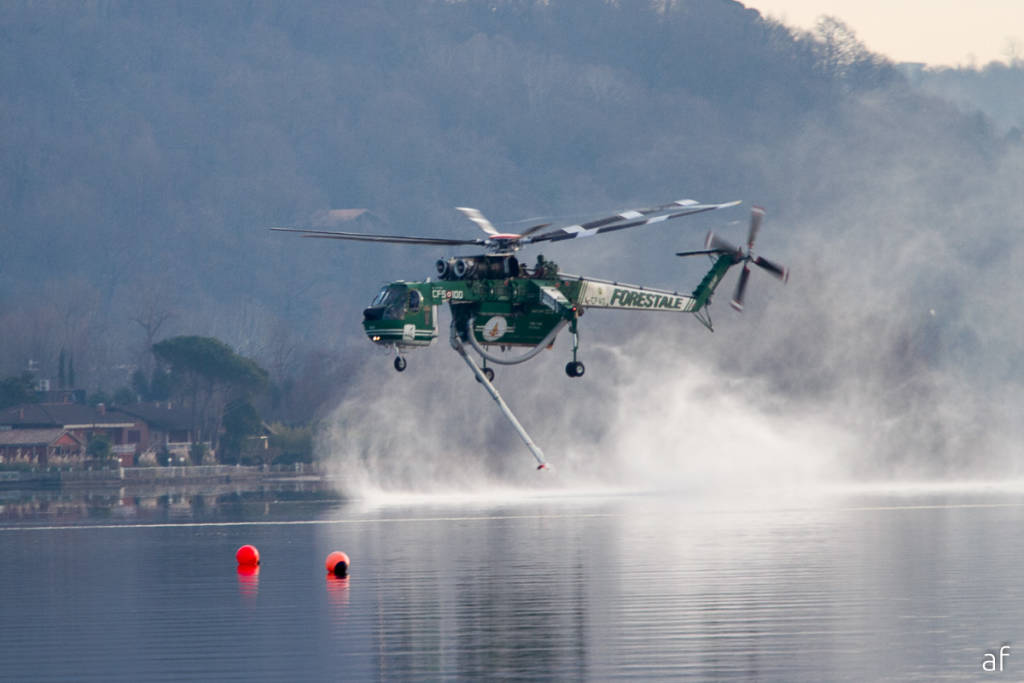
<point>499,304</point>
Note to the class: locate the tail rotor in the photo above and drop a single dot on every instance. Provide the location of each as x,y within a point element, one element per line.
<point>741,288</point>
<point>717,245</point>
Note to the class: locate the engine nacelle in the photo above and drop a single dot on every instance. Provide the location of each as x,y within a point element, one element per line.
<point>445,268</point>
<point>498,266</point>
<point>464,267</point>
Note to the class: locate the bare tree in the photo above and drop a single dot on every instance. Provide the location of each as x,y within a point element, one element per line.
<point>150,310</point>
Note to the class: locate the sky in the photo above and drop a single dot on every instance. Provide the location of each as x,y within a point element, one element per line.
<point>936,32</point>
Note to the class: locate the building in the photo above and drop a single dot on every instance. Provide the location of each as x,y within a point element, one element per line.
<point>40,447</point>
<point>166,427</point>
<point>82,422</point>
<point>132,430</point>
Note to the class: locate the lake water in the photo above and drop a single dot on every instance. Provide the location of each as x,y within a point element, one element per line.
<point>857,584</point>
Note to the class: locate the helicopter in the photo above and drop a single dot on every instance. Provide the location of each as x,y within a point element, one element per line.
<point>498,302</point>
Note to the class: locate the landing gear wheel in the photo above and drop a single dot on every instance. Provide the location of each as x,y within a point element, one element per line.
<point>488,373</point>
<point>574,369</point>
<point>400,363</point>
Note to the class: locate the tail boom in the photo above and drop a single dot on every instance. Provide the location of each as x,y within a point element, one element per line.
<point>604,294</point>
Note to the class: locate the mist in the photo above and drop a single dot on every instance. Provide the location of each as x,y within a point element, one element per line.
<point>646,416</point>
<point>892,354</point>
<point>148,148</point>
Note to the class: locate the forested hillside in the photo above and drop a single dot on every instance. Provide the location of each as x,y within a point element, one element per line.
<point>148,146</point>
<point>996,90</point>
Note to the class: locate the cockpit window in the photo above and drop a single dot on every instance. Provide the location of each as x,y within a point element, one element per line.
<point>393,299</point>
<point>414,300</point>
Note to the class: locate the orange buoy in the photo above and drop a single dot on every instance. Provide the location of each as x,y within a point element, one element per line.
<point>338,563</point>
<point>248,556</point>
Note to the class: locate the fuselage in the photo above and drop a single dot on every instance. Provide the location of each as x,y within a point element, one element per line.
<point>510,304</point>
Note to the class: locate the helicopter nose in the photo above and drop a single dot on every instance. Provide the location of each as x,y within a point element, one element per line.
<point>373,313</point>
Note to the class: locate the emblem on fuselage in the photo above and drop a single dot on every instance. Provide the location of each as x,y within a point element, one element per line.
<point>495,329</point>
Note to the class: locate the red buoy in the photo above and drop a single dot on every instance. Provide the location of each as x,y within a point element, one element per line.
<point>338,563</point>
<point>248,556</point>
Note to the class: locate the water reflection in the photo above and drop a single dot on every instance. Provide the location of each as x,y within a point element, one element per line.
<point>337,590</point>
<point>850,588</point>
<point>493,597</point>
<point>833,588</point>
<point>248,580</point>
<point>168,504</point>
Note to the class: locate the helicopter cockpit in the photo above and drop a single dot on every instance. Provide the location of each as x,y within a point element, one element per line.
<point>391,302</point>
<point>399,316</point>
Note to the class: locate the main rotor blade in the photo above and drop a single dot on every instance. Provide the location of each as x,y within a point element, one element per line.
<point>481,220</point>
<point>781,272</point>
<point>632,214</point>
<point>611,223</point>
<point>364,237</point>
<point>529,231</point>
<point>478,218</point>
<point>741,288</point>
<point>699,252</point>
<point>756,216</point>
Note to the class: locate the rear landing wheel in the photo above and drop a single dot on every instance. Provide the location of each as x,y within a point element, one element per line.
<point>488,373</point>
<point>574,369</point>
<point>400,363</point>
